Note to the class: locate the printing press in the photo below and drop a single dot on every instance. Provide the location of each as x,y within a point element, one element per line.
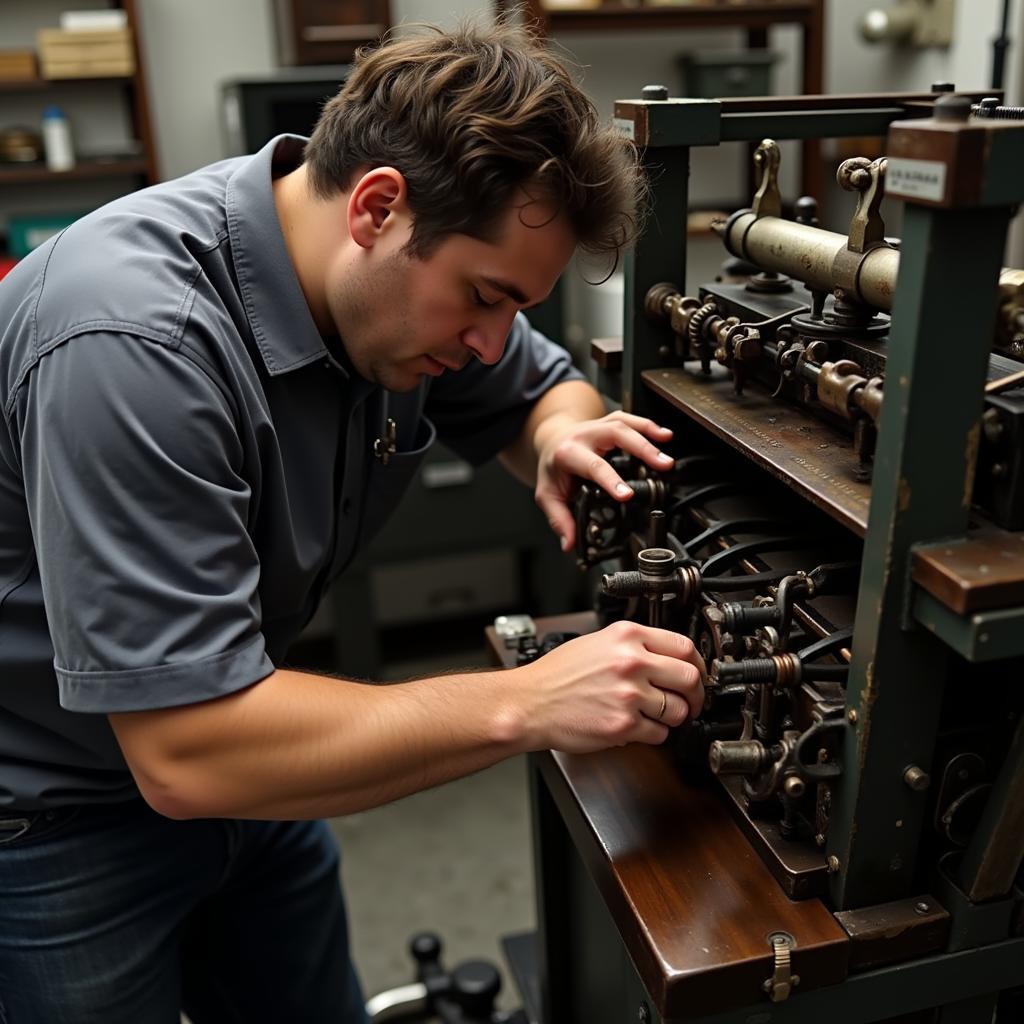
<point>840,836</point>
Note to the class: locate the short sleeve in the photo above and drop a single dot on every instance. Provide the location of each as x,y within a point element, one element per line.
<point>481,410</point>
<point>133,478</point>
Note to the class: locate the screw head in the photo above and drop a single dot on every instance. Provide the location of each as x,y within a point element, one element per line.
<point>851,716</point>
<point>922,908</point>
<point>833,865</point>
<point>794,787</point>
<point>643,1015</point>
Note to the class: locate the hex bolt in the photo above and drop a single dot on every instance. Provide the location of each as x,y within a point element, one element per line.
<point>851,716</point>
<point>654,92</point>
<point>916,778</point>
<point>833,865</point>
<point>922,908</point>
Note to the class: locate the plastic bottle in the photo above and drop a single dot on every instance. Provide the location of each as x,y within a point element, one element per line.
<point>60,155</point>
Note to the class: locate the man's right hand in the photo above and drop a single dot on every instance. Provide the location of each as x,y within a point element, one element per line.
<point>625,684</point>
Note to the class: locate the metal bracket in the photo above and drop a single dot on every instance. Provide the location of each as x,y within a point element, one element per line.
<point>783,981</point>
<point>767,199</point>
<point>858,174</point>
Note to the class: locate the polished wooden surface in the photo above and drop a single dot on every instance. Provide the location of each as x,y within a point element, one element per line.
<point>694,904</point>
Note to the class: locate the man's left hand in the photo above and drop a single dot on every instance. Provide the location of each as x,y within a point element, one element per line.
<point>578,451</point>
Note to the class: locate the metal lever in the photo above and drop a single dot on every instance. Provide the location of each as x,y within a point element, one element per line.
<point>767,200</point>
<point>858,174</point>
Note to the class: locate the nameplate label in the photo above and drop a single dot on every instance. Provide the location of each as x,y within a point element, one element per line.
<point>916,179</point>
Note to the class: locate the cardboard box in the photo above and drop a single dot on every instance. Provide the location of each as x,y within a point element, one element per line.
<point>85,53</point>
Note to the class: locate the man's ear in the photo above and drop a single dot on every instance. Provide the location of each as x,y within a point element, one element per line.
<point>374,199</point>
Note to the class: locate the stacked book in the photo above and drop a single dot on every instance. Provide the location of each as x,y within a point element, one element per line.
<point>17,65</point>
<point>89,44</point>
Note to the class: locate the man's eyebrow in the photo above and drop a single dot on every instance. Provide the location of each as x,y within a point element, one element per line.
<point>510,290</point>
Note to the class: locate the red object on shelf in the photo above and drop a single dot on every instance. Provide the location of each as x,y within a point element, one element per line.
<point>7,264</point>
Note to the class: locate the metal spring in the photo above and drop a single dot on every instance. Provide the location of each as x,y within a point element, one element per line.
<point>998,113</point>
<point>738,618</point>
<point>755,670</point>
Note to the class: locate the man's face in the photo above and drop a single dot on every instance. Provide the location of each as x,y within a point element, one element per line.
<point>401,318</point>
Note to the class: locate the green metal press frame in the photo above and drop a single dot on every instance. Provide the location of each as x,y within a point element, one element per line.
<point>903,638</point>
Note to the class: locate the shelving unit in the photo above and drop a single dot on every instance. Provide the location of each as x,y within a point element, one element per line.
<point>127,92</point>
<point>754,17</point>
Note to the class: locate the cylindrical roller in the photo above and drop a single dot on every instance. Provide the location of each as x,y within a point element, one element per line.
<point>737,757</point>
<point>808,253</point>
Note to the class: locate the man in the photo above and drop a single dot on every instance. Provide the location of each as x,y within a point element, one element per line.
<point>213,391</point>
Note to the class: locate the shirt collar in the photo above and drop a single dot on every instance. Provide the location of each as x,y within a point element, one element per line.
<point>274,303</point>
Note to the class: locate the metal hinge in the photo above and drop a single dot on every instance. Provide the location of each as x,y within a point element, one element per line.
<point>782,981</point>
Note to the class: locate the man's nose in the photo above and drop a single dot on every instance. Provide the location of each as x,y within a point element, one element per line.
<point>486,338</point>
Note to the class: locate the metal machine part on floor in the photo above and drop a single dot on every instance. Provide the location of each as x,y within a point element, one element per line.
<point>464,995</point>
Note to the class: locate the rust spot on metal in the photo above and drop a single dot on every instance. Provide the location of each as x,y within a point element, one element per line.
<point>971,462</point>
<point>903,500</point>
<point>868,696</point>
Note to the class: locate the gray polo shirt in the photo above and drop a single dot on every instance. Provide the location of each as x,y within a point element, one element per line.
<point>185,465</point>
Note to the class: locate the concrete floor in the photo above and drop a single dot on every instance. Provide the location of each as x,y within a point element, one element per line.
<point>454,860</point>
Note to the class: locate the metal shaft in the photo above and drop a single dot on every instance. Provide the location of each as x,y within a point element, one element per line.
<point>808,254</point>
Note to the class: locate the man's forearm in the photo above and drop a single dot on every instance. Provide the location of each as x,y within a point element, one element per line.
<point>572,401</point>
<point>304,746</point>
<point>297,745</point>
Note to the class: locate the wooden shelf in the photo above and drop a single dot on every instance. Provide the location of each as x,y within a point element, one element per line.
<point>84,170</point>
<point>43,84</point>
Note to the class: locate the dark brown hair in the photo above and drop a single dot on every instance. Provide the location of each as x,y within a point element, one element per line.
<point>470,117</point>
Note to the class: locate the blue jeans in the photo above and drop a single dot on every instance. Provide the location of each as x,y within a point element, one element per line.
<point>116,915</point>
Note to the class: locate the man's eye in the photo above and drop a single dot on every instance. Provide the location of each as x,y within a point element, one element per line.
<point>479,300</point>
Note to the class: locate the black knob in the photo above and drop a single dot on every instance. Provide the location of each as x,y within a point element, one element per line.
<point>952,108</point>
<point>425,948</point>
<point>943,87</point>
<point>654,92</point>
<point>475,986</point>
<point>805,210</point>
